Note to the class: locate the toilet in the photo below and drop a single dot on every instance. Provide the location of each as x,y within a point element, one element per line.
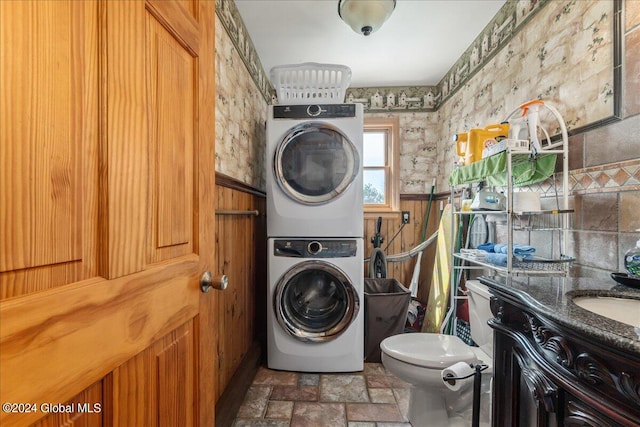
<point>419,359</point>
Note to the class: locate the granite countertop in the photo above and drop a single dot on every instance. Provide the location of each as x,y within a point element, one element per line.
<point>551,297</point>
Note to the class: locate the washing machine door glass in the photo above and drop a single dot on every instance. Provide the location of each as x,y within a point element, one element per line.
<point>315,301</point>
<point>315,163</point>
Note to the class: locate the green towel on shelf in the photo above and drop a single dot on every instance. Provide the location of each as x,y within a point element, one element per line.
<point>493,170</point>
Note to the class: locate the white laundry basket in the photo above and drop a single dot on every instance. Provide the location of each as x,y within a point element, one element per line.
<point>311,82</point>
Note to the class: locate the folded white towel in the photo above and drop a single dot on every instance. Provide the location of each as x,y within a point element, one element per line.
<point>478,254</point>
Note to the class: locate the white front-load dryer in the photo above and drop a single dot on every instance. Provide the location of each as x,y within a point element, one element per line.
<point>314,170</point>
<point>315,300</point>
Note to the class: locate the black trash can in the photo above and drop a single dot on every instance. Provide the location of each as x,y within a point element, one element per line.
<point>386,302</point>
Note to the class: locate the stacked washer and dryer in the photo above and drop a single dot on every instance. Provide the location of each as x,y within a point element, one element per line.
<point>315,299</point>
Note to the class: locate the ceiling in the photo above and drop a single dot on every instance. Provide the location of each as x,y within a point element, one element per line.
<point>417,45</point>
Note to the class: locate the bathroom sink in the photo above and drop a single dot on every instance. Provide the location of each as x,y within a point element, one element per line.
<point>624,310</point>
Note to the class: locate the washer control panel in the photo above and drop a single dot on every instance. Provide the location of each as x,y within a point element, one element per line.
<point>310,248</point>
<point>328,111</point>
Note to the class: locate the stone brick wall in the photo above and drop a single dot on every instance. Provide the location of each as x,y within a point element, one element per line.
<point>241,114</point>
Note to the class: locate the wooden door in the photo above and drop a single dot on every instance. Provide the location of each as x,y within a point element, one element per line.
<point>107,212</point>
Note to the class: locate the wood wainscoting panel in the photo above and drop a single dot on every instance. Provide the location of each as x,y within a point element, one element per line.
<point>237,239</point>
<point>409,237</point>
<point>241,253</point>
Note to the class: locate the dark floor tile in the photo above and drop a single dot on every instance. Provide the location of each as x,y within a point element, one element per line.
<point>371,398</point>
<point>260,423</point>
<point>280,410</point>
<point>267,376</point>
<point>373,412</point>
<point>381,395</point>
<point>308,379</point>
<point>305,393</point>
<point>306,414</point>
<point>374,369</point>
<point>378,381</point>
<point>255,402</point>
<point>343,388</point>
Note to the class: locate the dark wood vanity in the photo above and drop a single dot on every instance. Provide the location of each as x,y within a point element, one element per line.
<point>557,364</point>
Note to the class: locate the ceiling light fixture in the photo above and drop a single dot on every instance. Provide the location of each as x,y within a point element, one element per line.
<point>365,16</point>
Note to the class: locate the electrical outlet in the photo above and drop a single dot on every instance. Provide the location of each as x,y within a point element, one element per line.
<point>405,217</point>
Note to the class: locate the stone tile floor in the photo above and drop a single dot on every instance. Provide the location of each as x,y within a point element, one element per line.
<point>371,398</point>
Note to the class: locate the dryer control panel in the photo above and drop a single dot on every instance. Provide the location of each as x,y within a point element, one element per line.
<point>328,111</point>
<point>315,248</point>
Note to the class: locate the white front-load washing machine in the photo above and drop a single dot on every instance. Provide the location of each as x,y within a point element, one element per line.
<point>315,300</point>
<point>314,170</point>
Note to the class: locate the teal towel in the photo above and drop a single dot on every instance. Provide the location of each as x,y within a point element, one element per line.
<point>496,259</point>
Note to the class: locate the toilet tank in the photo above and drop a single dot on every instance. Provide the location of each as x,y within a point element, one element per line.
<point>479,315</point>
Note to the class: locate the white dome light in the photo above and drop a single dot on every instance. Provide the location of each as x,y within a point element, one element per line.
<point>365,16</point>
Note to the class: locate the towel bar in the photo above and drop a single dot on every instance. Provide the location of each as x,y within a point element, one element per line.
<point>238,212</point>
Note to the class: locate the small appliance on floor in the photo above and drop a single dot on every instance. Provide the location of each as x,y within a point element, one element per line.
<point>315,301</point>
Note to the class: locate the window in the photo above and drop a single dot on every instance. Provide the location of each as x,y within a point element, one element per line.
<point>381,159</point>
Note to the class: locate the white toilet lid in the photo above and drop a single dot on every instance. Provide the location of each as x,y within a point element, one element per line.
<point>428,350</point>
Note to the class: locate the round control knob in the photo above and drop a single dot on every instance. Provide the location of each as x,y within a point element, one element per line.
<point>314,247</point>
<point>314,110</point>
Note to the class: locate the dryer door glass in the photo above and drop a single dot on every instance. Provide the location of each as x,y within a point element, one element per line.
<point>315,162</point>
<point>314,301</point>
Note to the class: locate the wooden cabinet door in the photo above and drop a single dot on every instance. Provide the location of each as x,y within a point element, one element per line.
<point>107,210</point>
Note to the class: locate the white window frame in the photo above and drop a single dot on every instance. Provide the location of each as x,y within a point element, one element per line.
<point>391,126</point>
